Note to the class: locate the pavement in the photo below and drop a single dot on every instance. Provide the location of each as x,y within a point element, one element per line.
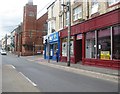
<point>97,72</point>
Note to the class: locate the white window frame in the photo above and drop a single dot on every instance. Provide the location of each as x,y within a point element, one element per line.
<point>53,24</point>
<point>112,2</point>
<point>67,18</point>
<point>94,6</point>
<point>52,8</point>
<point>49,27</point>
<point>77,13</point>
<point>61,22</point>
<point>61,2</point>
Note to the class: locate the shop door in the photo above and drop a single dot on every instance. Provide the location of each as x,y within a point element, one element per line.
<point>79,50</point>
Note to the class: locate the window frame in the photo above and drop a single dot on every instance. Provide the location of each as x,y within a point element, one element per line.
<point>94,6</point>
<point>61,22</point>
<point>113,2</point>
<point>97,39</point>
<point>77,13</point>
<point>66,18</point>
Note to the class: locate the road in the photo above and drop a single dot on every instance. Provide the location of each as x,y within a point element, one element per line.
<point>32,76</point>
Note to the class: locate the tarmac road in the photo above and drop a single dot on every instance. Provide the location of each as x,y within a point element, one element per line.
<point>13,81</point>
<point>49,79</point>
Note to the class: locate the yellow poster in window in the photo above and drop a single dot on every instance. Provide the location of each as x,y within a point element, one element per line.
<point>105,55</point>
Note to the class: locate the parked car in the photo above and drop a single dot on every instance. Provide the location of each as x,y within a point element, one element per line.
<point>3,52</point>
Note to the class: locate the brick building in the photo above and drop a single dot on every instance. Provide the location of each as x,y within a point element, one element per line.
<point>18,39</point>
<point>94,32</point>
<point>29,29</point>
<point>29,41</point>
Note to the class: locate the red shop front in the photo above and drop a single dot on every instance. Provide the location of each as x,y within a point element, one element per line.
<point>93,42</point>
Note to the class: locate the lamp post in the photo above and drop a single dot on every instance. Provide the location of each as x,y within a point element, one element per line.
<point>69,30</point>
<point>33,48</point>
<point>48,50</point>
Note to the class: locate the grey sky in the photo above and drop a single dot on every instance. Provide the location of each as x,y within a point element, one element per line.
<point>11,13</point>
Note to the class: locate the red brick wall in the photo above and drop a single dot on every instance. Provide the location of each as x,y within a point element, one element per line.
<point>40,26</point>
<point>29,29</point>
<point>32,35</point>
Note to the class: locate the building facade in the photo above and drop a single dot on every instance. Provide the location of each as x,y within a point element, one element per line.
<point>12,45</point>
<point>29,29</point>
<point>17,40</point>
<point>52,39</point>
<point>41,29</point>
<point>95,31</point>
<point>4,42</point>
<point>32,31</point>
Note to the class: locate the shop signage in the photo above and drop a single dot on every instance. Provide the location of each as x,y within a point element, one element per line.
<point>105,55</point>
<point>53,37</point>
<point>79,36</point>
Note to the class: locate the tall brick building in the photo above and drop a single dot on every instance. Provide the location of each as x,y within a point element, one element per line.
<point>29,28</point>
<point>32,31</point>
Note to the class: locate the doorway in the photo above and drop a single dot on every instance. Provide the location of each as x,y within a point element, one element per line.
<point>79,50</point>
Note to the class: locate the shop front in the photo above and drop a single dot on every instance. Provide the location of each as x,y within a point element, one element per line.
<point>103,46</point>
<point>64,49</point>
<point>95,41</point>
<point>52,46</point>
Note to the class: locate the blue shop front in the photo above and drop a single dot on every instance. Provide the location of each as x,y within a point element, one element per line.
<point>54,45</point>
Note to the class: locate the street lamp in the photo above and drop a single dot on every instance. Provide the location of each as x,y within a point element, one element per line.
<point>33,48</point>
<point>48,50</point>
<point>69,30</point>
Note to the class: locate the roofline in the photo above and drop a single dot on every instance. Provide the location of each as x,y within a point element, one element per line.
<point>51,4</point>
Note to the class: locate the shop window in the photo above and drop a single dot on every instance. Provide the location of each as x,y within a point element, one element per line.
<point>47,51</point>
<point>64,47</point>
<point>116,42</point>
<point>71,46</point>
<point>90,45</point>
<point>55,48</point>
<point>51,49</point>
<point>104,44</point>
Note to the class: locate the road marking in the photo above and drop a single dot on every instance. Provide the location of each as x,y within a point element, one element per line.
<point>13,66</point>
<point>30,60</point>
<point>28,79</point>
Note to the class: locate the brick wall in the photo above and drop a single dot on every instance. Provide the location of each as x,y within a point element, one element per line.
<point>33,31</point>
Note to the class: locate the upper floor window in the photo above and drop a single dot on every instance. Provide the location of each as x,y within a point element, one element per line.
<point>31,13</point>
<point>94,6</point>
<point>112,2</point>
<point>52,11</point>
<point>67,18</point>
<point>61,2</point>
<point>51,27</point>
<point>77,13</point>
<point>61,22</point>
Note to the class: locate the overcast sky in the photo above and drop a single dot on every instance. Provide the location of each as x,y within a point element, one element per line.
<point>11,13</point>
